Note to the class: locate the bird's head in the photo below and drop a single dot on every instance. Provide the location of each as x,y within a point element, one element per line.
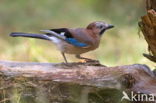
<point>99,27</point>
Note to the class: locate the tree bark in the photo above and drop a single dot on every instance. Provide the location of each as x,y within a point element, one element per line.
<point>72,83</point>
<point>148,27</point>
<point>150,4</point>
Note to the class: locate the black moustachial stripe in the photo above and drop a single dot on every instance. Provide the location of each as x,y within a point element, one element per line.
<point>102,31</point>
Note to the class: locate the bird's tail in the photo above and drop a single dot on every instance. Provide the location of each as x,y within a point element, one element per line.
<point>39,36</point>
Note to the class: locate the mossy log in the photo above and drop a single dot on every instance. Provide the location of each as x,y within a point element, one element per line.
<point>72,83</point>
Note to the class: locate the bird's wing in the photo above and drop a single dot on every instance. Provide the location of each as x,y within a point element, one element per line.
<point>76,43</point>
<point>83,36</point>
<point>66,32</point>
<point>66,35</point>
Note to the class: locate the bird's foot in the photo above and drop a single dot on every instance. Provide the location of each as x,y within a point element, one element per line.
<point>88,61</point>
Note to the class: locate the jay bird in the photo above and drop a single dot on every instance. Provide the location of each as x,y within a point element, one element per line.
<point>72,40</point>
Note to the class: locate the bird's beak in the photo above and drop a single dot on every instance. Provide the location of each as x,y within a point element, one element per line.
<point>110,26</point>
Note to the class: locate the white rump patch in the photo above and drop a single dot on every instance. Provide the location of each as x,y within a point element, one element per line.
<point>62,33</point>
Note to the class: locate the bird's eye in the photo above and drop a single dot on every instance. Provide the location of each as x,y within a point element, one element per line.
<point>100,26</point>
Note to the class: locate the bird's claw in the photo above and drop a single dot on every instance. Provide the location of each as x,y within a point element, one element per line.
<point>88,60</point>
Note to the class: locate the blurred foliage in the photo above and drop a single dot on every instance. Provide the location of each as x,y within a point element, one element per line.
<point>120,45</point>
<point>126,11</point>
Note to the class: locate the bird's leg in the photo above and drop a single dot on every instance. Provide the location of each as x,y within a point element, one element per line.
<point>86,59</point>
<point>65,59</point>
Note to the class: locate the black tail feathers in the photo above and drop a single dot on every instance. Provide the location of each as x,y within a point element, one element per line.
<point>39,36</point>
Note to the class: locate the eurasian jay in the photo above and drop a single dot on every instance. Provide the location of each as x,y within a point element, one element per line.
<point>72,40</point>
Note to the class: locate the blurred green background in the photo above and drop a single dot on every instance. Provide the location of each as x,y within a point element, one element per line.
<point>119,46</point>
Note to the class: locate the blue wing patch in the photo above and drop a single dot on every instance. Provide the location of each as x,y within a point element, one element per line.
<point>75,42</point>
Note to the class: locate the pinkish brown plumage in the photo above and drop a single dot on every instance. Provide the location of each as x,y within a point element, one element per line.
<point>73,40</point>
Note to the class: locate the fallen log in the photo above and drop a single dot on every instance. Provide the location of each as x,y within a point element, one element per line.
<point>72,83</point>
